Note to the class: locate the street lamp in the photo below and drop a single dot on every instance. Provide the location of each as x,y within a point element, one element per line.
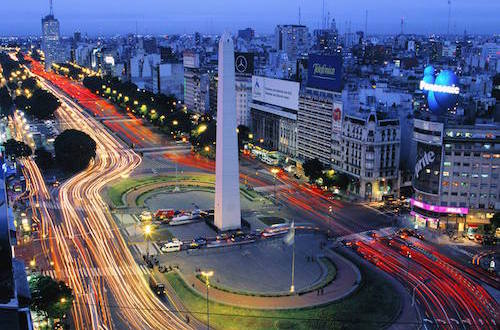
<point>207,275</point>
<point>275,171</point>
<point>148,230</point>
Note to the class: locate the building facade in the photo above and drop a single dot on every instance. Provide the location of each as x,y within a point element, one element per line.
<point>292,39</point>
<point>50,40</point>
<point>456,174</point>
<point>370,153</point>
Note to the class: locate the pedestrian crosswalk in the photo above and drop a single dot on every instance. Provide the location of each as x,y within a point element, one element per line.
<point>139,270</point>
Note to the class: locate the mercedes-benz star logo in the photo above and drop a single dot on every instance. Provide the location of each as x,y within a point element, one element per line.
<point>241,64</point>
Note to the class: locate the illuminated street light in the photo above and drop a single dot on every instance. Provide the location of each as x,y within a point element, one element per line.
<point>250,136</point>
<point>207,275</point>
<point>63,300</point>
<point>175,123</point>
<point>202,128</point>
<point>148,230</point>
<point>275,171</point>
<point>207,148</point>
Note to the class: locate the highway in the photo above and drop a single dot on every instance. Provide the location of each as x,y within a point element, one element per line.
<point>78,232</point>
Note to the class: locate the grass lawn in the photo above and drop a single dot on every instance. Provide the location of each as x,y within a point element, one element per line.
<point>116,191</point>
<point>374,304</point>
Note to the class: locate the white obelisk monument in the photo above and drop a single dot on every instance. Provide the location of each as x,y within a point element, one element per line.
<point>227,182</point>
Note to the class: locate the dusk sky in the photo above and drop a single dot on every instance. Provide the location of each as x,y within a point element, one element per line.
<point>213,16</point>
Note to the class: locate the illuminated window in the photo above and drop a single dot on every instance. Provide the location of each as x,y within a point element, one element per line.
<point>455,184</point>
<point>447,163</point>
<point>484,175</point>
<point>427,170</point>
<point>446,173</point>
<point>445,184</point>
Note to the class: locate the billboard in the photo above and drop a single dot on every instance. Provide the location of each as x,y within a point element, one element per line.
<point>337,117</point>
<point>278,92</point>
<point>243,63</point>
<point>325,72</point>
<point>427,168</point>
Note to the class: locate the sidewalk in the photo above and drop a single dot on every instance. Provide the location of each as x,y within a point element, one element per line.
<point>346,282</point>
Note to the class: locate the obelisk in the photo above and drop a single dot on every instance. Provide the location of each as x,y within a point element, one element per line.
<point>227,183</point>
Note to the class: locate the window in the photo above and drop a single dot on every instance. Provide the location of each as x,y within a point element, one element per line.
<point>447,164</point>
<point>484,175</point>
<point>446,173</point>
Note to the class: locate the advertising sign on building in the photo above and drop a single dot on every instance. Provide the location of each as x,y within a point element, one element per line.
<point>325,72</point>
<point>278,92</point>
<point>243,63</point>
<point>337,117</point>
<point>427,168</point>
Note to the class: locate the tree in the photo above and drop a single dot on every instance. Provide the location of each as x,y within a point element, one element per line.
<point>5,102</point>
<point>50,298</point>
<point>17,149</point>
<point>495,221</point>
<point>43,104</point>
<point>341,180</point>
<point>74,150</point>
<point>243,132</point>
<point>313,169</point>
<point>44,158</point>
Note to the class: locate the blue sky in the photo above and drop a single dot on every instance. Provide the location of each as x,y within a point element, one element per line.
<point>108,17</point>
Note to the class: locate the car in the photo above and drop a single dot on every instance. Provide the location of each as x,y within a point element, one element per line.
<point>200,241</point>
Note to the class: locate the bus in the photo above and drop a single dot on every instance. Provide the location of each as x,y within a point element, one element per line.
<point>277,229</point>
<point>157,287</point>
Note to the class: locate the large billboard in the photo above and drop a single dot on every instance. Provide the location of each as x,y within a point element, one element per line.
<point>278,92</point>
<point>427,168</point>
<point>243,63</point>
<point>325,72</point>
<point>337,117</point>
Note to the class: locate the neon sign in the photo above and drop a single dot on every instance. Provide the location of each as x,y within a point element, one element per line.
<point>439,209</point>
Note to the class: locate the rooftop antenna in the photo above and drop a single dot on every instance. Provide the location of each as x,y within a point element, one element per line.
<point>323,16</point>
<point>449,15</point>
<point>300,16</point>
<point>51,8</point>
<point>402,24</point>
<point>328,21</point>
<point>366,23</point>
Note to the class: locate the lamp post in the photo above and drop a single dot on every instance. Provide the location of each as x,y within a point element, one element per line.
<point>207,275</point>
<point>148,230</point>
<point>275,171</point>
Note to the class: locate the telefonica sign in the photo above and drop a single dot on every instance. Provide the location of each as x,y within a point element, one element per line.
<point>325,72</point>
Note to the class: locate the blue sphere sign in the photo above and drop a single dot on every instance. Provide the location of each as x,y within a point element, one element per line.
<point>442,89</point>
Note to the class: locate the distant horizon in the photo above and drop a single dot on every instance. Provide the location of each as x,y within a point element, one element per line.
<point>155,17</point>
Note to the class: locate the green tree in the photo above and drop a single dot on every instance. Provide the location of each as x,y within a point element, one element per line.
<point>43,104</point>
<point>243,132</point>
<point>341,180</point>
<point>17,149</point>
<point>313,169</point>
<point>5,102</point>
<point>495,221</point>
<point>74,150</point>
<point>50,298</point>
<point>44,158</point>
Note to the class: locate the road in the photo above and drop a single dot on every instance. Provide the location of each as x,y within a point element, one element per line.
<point>79,234</point>
<point>450,298</point>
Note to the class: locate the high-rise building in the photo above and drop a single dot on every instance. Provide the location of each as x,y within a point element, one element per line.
<point>248,34</point>
<point>457,174</point>
<point>227,183</point>
<point>50,38</point>
<point>292,39</point>
<point>196,84</point>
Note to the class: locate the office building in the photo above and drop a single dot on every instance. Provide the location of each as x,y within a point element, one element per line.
<point>248,34</point>
<point>292,40</point>
<point>370,153</point>
<point>196,84</point>
<point>274,109</point>
<point>50,38</point>
<point>457,173</point>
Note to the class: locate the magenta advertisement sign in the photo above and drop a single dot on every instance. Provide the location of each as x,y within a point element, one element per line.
<point>439,209</point>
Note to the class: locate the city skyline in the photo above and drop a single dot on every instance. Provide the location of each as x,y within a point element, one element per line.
<point>154,17</point>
